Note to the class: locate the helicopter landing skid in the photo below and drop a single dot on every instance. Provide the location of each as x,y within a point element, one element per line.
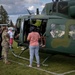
<point>23,51</point>
<point>43,63</point>
<point>19,56</point>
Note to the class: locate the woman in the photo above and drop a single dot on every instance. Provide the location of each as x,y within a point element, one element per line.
<point>34,37</point>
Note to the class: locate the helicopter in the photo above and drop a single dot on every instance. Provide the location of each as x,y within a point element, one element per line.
<point>57,25</point>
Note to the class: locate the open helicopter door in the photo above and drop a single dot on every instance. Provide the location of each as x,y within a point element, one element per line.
<point>24,30</point>
<point>21,32</point>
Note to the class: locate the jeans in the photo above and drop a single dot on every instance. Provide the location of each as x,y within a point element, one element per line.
<point>34,50</point>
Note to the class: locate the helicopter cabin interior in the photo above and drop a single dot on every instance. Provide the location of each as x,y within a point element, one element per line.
<point>24,27</point>
<point>39,23</point>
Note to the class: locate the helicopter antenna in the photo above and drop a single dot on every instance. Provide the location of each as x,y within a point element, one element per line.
<point>37,11</point>
<point>29,12</point>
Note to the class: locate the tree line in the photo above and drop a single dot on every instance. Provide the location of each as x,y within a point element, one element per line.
<point>4,18</point>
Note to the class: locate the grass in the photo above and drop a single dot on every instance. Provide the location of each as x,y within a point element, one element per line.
<point>57,64</point>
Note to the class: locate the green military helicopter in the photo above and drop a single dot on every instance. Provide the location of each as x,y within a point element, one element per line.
<point>56,23</point>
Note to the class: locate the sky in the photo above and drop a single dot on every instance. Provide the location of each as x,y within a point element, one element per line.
<point>15,8</point>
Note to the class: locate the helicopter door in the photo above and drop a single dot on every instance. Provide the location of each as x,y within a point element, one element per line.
<point>26,30</point>
<point>55,31</point>
<point>71,35</point>
<point>21,32</point>
<point>48,37</point>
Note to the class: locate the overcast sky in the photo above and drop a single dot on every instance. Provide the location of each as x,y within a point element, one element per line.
<point>19,6</point>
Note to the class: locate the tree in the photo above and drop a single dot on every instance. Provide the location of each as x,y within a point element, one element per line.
<point>4,18</point>
<point>11,23</point>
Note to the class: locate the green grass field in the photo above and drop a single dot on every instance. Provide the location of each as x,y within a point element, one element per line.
<point>57,65</point>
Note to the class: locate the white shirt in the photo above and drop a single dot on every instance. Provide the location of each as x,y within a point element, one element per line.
<point>10,34</point>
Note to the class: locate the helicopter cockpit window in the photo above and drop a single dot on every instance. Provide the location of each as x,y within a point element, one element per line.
<point>57,30</point>
<point>72,31</point>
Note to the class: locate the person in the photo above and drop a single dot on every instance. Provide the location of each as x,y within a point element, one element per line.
<point>0,43</point>
<point>5,45</point>
<point>33,38</point>
<point>11,35</point>
<point>42,39</point>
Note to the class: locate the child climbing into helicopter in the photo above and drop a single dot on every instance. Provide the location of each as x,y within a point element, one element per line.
<point>43,41</point>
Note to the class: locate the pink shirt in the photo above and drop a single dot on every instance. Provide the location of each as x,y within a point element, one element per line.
<point>33,37</point>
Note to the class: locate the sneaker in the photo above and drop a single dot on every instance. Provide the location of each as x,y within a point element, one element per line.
<point>43,45</point>
<point>22,48</point>
<point>30,65</point>
<point>38,65</point>
<point>17,47</point>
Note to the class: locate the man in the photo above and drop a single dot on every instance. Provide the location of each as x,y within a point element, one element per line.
<point>5,45</point>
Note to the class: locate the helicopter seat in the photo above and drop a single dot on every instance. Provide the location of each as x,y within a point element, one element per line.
<point>38,23</point>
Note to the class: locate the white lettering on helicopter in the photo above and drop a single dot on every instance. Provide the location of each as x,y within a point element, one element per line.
<point>57,30</point>
<point>56,33</point>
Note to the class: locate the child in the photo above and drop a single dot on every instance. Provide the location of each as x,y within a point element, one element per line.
<point>11,35</point>
<point>43,41</point>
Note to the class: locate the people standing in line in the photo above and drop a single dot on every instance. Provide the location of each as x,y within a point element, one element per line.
<point>5,45</point>
<point>0,43</point>
<point>33,38</point>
